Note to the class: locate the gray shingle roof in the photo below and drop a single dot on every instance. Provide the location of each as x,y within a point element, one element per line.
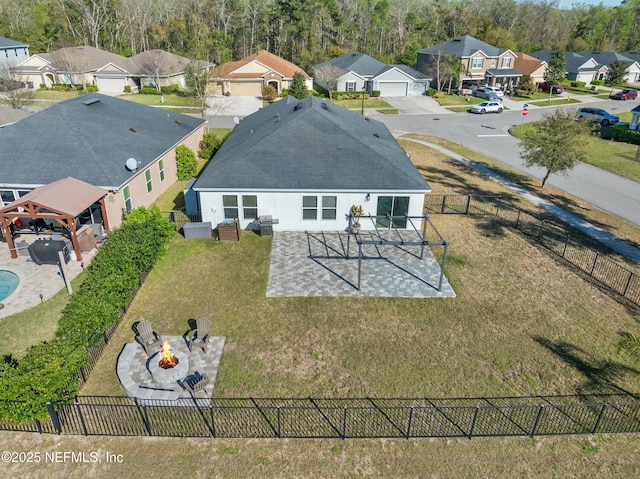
<point>606,58</point>
<point>88,138</point>
<point>464,46</point>
<point>87,58</point>
<point>415,74</point>
<point>355,62</point>
<point>310,145</point>
<point>8,43</point>
<point>574,61</point>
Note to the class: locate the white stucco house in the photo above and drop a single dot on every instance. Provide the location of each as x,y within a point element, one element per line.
<point>305,163</point>
<point>358,72</point>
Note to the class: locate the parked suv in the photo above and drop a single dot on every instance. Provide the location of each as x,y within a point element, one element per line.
<point>557,89</point>
<point>626,95</point>
<point>598,115</point>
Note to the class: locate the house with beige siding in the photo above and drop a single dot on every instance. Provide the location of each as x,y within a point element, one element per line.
<point>125,148</point>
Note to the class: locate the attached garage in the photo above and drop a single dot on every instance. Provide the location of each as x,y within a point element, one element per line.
<point>111,85</point>
<point>246,88</point>
<point>393,88</point>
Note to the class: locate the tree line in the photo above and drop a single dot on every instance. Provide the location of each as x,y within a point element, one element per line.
<point>308,32</point>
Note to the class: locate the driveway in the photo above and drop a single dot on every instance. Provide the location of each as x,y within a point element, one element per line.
<point>416,105</point>
<point>233,106</point>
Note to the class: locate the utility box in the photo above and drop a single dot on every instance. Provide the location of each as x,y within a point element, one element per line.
<point>46,251</point>
<point>229,230</point>
<point>197,230</point>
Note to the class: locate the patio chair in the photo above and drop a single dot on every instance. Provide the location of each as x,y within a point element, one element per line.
<point>196,384</point>
<point>149,338</point>
<point>199,337</point>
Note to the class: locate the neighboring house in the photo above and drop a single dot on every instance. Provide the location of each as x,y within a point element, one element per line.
<point>360,72</point>
<point>247,77</point>
<point>305,163</point>
<point>110,72</point>
<point>126,148</point>
<point>579,67</point>
<point>12,53</point>
<point>482,63</point>
<point>635,119</point>
<point>528,65</point>
<point>607,58</point>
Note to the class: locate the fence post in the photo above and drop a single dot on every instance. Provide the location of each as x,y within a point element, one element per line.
<point>498,205</point>
<point>535,426</point>
<point>410,419</point>
<point>279,435</point>
<point>444,200</point>
<point>594,264</point>
<point>566,243</point>
<point>595,428</point>
<point>626,287</point>
<point>466,212</point>
<point>518,218</point>
<point>540,231</point>
<point>54,417</point>
<point>213,422</point>
<point>344,422</point>
<point>84,426</point>
<point>473,424</point>
<point>39,426</point>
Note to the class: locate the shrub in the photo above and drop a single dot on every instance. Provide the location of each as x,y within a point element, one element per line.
<point>92,88</point>
<point>375,93</point>
<point>209,145</point>
<point>127,88</point>
<point>431,92</point>
<point>149,90</point>
<point>622,133</point>
<point>440,94</point>
<point>284,92</point>
<point>170,89</point>
<point>597,82</point>
<point>43,86</point>
<point>578,84</point>
<point>184,93</point>
<point>269,93</point>
<point>186,162</point>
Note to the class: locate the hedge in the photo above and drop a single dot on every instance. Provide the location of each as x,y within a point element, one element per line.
<point>622,133</point>
<point>49,371</point>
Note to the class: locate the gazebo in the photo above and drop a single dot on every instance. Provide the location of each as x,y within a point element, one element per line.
<point>63,201</point>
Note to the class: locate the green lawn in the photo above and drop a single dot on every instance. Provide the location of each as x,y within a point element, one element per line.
<point>457,100</point>
<point>56,95</point>
<point>555,101</point>
<point>355,104</point>
<point>609,155</point>
<point>156,100</point>
<point>388,111</point>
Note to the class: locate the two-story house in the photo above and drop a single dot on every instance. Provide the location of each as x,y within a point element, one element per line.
<point>12,53</point>
<point>482,64</point>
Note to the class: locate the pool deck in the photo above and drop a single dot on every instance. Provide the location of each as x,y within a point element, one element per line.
<point>35,280</point>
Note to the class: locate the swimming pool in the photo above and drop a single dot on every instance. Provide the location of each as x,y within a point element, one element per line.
<point>8,283</point>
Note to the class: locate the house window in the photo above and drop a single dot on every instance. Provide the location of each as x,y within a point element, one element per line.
<point>250,207</point>
<point>147,177</point>
<point>493,62</point>
<point>397,206</point>
<point>230,204</point>
<point>126,196</point>
<point>506,62</point>
<point>477,62</point>
<point>161,170</point>
<point>351,86</point>
<point>7,196</point>
<point>21,193</point>
<point>309,208</point>
<point>329,204</point>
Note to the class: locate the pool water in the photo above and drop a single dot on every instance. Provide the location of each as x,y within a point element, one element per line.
<point>8,283</point>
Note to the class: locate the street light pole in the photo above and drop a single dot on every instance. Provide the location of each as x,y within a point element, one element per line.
<point>363,90</point>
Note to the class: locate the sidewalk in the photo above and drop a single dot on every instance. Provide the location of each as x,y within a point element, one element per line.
<point>627,250</point>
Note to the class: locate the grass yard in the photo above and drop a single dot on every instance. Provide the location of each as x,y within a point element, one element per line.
<point>458,100</point>
<point>522,323</point>
<point>388,111</point>
<point>555,102</point>
<point>156,100</point>
<point>609,155</point>
<point>355,104</point>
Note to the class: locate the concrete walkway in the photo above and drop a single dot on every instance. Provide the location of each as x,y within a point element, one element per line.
<point>627,250</point>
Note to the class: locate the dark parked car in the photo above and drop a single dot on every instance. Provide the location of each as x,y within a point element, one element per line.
<point>626,95</point>
<point>557,89</point>
<point>598,115</point>
<point>487,93</point>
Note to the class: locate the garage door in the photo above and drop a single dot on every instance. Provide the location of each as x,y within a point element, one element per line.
<point>111,85</point>
<point>246,89</point>
<point>393,88</point>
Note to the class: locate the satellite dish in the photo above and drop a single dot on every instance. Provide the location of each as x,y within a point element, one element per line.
<point>131,164</point>
<point>236,120</point>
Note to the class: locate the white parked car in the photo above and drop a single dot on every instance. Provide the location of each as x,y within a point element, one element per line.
<point>487,107</point>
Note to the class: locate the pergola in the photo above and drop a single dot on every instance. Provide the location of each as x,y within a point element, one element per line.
<point>63,201</point>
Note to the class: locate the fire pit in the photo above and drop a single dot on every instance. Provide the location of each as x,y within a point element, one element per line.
<point>167,367</point>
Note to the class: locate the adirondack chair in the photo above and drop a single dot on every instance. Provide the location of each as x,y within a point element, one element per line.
<point>199,337</point>
<point>149,338</point>
<point>196,384</point>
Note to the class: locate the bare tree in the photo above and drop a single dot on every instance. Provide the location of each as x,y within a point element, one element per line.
<point>73,63</point>
<point>153,64</point>
<point>327,76</point>
<point>13,88</point>
<point>196,75</point>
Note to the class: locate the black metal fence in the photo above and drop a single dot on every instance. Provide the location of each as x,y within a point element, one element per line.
<point>180,218</point>
<point>343,418</point>
<point>549,234</point>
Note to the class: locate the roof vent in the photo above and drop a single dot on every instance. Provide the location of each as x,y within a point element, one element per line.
<point>376,135</point>
<point>366,118</point>
<point>324,105</point>
<point>91,101</point>
<point>133,129</point>
<point>297,107</point>
<point>178,122</point>
<point>277,117</point>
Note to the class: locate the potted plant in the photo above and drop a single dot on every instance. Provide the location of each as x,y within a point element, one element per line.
<point>356,212</point>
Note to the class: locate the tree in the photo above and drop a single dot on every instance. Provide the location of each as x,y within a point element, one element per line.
<point>196,77</point>
<point>298,87</point>
<point>556,143</point>
<point>556,71</point>
<point>13,90</point>
<point>209,145</point>
<point>327,76</point>
<point>617,73</point>
<point>526,84</point>
<point>269,93</point>
<point>186,162</point>
<point>153,64</point>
